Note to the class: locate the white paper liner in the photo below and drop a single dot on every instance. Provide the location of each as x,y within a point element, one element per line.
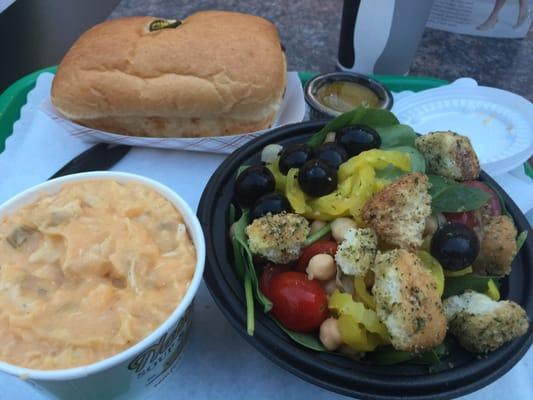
<point>292,110</point>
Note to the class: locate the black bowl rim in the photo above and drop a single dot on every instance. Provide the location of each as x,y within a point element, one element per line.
<point>450,383</point>
<point>313,84</point>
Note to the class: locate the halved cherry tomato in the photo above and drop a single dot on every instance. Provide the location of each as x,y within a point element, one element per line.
<point>269,272</point>
<point>467,218</point>
<point>320,247</point>
<point>298,303</point>
<point>494,208</point>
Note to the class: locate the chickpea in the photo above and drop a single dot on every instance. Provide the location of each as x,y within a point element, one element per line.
<point>330,335</point>
<point>339,227</point>
<point>330,137</point>
<point>321,267</point>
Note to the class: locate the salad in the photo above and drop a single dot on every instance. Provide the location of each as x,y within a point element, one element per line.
<point>376,243</point>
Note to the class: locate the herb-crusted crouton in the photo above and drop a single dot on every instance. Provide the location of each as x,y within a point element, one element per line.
<point>482,324</point>
<point>357,251</point>
<point>398,212</point>
<point>407,301</point>
<point>449,154</point>
<point>498,247</point>
<point>279,237</point>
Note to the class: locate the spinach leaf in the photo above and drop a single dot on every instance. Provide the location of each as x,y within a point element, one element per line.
<point>459,284</point>
<point>390,173</point>
<point>396,135</point>
<point>500,198</point>
<point>309,340</point>
<point>240,236</point>
<point>389,356</point>
<point>373,117</point>
<point>238,259</point>
<point>418,162</point>
<point>237,255</point>
<point>450,196</point>
<point>250,310</point>
<point>520,240</point>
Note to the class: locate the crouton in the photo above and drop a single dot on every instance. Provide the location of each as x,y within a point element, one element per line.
<point>407,301</point>
<point>398,212</point>
<point>357,251</point>
<point>449,154</point>
<point>279,238</point>
<point>482,324</point>
<point>498,247</point>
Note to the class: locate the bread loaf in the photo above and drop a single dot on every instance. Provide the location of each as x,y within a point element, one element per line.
<point>216,73</point>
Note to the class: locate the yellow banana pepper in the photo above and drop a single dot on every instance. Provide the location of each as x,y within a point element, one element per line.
<point>360,327</point>
<point>278,176</point>
<point>362,191</point>
<point>434,267</point>
<point>492,291</point>
<point>293,192</point>
<point>362,294</point>
<point>356,184</point>
<point>356,336</point>
<point>375,158</point>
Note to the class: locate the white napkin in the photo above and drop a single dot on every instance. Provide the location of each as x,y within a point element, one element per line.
<point>39,147</point>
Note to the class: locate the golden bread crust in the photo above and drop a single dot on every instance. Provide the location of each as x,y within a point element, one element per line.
<point>216,65</point>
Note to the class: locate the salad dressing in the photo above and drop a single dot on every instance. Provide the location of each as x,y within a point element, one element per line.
<point>344,96</point>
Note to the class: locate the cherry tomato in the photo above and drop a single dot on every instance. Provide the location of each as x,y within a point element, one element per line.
<point>269,272</point>
<point>298,303</point>
<point>467,218</point>
<point>320,247</point>
<point>494,205</point>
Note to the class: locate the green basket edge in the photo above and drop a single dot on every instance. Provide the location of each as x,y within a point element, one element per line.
<point>14,97</point>
<point>12,100</point>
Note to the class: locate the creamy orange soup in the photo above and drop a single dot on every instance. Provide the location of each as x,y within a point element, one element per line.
<point>88,272</point>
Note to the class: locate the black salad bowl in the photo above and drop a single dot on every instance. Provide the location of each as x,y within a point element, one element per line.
<point>459,373</point>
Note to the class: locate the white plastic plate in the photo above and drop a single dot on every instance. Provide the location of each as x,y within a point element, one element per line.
<point>499,123</point>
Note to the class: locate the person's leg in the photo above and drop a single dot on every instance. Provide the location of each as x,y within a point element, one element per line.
<point>522,13</point>
<point>493,17</point>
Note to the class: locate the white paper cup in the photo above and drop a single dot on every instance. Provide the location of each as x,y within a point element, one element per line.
<point>137,371</point>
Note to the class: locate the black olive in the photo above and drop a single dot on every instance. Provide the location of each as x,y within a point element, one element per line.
<point>252,183</point>
<point>332,154</point>
<point>455,246</point>
<point>273,203</point>
<point>316,178</point>
<point>294,156</point>
<point>358,138</point>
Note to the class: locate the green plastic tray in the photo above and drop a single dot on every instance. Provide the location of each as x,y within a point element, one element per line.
<point>14,97</point>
